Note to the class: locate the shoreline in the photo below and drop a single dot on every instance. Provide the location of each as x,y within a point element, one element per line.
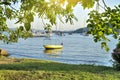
<point>34,69</point>
<point>10,60</point>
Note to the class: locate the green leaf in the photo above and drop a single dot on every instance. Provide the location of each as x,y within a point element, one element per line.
<point>104,45</point>
<point>27,26</point>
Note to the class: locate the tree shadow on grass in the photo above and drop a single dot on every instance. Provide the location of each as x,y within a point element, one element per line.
<point>52,66</point>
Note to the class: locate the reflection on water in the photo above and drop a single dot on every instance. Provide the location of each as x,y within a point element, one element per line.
<point>53,51</point>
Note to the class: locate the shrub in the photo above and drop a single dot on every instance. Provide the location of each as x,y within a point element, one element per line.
<point>116,57</point>
<point>118,45</point>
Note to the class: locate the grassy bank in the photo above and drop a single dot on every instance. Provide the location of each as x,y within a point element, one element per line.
<point>29,69</point>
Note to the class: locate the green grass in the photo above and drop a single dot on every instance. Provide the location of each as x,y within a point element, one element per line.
<point>30,69</point>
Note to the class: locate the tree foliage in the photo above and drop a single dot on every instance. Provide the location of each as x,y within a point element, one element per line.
<point>45,9</point>
<point>100,24</point>
<point>104,23</point>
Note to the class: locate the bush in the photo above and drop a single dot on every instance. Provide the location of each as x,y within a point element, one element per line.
<point>116,57</point>
<point>118,45</point>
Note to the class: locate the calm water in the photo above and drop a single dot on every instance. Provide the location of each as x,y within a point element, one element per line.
<point>77,49</point>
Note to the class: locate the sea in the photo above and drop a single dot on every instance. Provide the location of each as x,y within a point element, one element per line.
<point>77,49</point>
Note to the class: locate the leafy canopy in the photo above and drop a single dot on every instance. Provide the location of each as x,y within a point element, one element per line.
<point>100,24</point>
<point>104,23</point>
<point>45,9</point>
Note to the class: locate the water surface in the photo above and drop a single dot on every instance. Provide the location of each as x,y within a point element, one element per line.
<point>77,49</point>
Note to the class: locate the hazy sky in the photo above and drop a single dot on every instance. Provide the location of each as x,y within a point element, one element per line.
<point>79,12</point>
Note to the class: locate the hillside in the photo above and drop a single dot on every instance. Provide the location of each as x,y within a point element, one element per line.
<point>81,30</point>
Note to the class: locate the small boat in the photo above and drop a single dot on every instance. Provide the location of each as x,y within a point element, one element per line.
<point>40,35</point>
<point>50,42</point>
<point>53,47</point>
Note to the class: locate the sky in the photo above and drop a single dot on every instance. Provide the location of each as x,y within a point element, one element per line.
<point>79,12</point>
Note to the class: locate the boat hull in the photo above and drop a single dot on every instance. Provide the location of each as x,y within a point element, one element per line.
<point>53,46</point>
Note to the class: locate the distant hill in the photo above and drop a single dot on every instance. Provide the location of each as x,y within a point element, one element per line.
<point>81,30</point>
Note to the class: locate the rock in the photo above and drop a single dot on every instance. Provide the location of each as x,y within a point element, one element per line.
<point>3,52</point>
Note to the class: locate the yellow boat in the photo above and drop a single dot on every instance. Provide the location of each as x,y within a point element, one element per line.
<point>53,46</point>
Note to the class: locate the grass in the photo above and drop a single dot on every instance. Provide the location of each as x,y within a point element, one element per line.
<point>31,69</point>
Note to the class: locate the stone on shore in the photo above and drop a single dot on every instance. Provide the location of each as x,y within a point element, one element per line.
<point>3,52</point>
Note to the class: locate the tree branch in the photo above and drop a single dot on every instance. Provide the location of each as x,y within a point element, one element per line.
<point>13,8</point>
<point>104,4</point>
